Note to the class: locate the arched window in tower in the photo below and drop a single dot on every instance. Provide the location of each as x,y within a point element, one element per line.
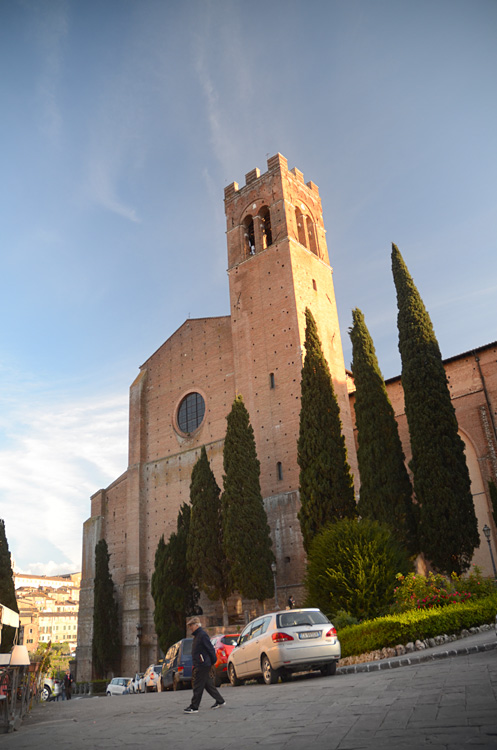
<point>311,234</point>
<point>267,235</point>
<point>300,227</point>
<point>249,236</point>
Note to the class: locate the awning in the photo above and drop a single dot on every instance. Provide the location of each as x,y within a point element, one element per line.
<point>8,617</point>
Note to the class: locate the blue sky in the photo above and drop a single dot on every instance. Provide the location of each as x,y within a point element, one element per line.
<point>122,122</point>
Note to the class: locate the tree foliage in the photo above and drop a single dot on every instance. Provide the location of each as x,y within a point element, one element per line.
<point>7,589</point>
<point>448,532</point>
<point>106,642</point>
<point>386,491</point>
<point>352,566</point>
<point>247,543</point>
<point>326,485</point>
<point>205,555</point>
<point>175,595</point>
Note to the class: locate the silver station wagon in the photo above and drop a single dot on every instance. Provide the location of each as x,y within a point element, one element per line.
<point>277,644</point>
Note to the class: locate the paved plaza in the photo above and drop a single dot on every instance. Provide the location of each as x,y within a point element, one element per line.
<point>447,702</point>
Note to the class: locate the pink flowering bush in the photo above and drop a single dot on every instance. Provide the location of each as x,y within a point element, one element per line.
<point>415,591</point>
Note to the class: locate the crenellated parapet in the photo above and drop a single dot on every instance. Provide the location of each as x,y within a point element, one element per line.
<point>271,207</point>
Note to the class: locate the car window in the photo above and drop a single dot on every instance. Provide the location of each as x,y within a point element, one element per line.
<point>260,626</point>
<point>295,618</point>
<point>186,647</point>
<point>158,668</point>
<point>229,640</point>
<point>245,636</point>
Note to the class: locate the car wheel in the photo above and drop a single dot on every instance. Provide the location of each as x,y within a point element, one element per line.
<point>177,684</point>
<point>270,675</point>
<point>109,693</point>
<point>232,676</point>
<point>45,693</point>
<point>329,669</point>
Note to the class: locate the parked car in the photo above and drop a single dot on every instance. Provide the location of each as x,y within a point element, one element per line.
<point>150,681</point>
<point>224,644</point>
<point>51,689</point>
<point>118,686</point>
<point>277,644</point>
<point>134,683</point>
<point>177,666</point>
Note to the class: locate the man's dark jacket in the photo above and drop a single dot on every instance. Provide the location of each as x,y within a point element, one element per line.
<point>203,654</point>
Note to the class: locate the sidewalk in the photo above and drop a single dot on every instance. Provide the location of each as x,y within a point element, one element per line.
<point>471,644</point>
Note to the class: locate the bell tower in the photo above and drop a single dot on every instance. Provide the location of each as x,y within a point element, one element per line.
<point>278,265</point>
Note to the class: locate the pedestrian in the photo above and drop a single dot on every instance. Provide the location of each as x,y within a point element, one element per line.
<point>291,602</point>
<point>203,658</point>
<point>68,681</point>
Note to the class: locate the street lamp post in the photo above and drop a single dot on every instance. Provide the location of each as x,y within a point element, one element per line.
<point>273,568</point>
<point>139,631</point>
<point>486,531</point>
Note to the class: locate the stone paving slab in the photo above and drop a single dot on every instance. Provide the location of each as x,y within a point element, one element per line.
<point>449,703</point>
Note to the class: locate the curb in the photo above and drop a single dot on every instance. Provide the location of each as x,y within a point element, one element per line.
<point>407,661</point>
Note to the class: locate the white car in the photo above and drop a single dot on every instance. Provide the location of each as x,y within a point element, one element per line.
<point>118,686</point>
<point>151,680</point>
<point>134,685</point>
<point>277,644</point>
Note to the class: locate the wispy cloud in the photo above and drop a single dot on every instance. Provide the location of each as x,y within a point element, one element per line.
<point>102,183</point>
<point>58,455</point>
<point>49,26</point>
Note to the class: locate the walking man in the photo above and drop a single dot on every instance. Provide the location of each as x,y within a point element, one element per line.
<point>203,657</point>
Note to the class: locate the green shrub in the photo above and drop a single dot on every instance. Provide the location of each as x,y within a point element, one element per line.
<point>412,625</point>
<point>342,619</point>
<point>98,686</point>
<point>421,592</point>
<point>352,567</point>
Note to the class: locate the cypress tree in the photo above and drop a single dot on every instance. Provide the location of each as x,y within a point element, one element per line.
<point>174,594</point>
<point>448,532</point>
<point>386,491</point>
<point>247,543</point>
<point>326,485</point>
<point>106,642</point>
<point>205,557</point>
<point>7,590</point>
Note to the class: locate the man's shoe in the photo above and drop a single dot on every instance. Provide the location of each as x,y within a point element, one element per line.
<point>218,705</point>
<point>191,710</point>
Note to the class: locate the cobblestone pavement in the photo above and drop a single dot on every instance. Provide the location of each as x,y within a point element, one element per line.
<point>448,702</point>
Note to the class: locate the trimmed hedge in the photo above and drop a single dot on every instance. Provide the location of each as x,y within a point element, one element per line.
<point>416,624</point>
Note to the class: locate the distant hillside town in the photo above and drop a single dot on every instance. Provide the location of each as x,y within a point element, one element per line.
<point>48,609</point>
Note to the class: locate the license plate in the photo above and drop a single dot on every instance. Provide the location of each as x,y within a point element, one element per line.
<point>309,634</point>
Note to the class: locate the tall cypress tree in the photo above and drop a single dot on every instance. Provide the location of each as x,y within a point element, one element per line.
<point>247,543</point>
<point>386,491</point>
<point>326,485</point>
<point>205,557</point>
<point>7,590</point>
<point>175,595</point>
<point>106,641</point>
<point>448,531</point>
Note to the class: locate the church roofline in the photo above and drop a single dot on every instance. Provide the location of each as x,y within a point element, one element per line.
<point>188,320</point>
<point>454,358</point>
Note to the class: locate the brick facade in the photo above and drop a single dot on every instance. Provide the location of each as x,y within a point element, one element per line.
<point>277,266</point>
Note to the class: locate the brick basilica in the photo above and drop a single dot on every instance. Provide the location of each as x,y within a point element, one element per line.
<point>278,265</point>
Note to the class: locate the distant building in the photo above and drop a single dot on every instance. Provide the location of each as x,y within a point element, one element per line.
<point>278,265</point>
<point>48,609</point>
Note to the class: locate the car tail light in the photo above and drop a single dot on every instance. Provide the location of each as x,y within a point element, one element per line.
<point>331,633</point>
<point>180,669</point>
<point>280,637</point>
